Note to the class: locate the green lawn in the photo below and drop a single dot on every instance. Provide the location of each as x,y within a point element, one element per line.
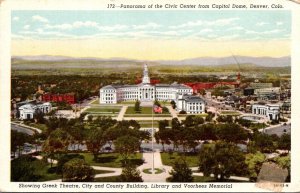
<point>40,126</point>
<point>232,113</point>
<point>108,179</point>
<point>104,110</point>
<point>95,102</point>
<point>148,123</point>
<point>144,110</point>
<point>111,159</point>
<point>191,159</point>
<point>127,102</point>
<point>200,115</point>
<point>46,176</point>
<point>147,115</point>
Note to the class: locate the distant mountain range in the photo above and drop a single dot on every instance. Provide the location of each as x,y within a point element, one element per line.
<point>201,61</point>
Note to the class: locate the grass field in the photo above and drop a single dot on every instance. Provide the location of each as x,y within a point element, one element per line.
<point>104,111</point>
<point>144,110</point>
<point>232,113</point>
<point>148,124</point>
<point>147,115</point>
<point>200,115</point>
<point>111,159</point>
<point>40,126</point>
<point>191,159</point>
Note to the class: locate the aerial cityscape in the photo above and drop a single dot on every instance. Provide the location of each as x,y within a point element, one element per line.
<point>137,97</point>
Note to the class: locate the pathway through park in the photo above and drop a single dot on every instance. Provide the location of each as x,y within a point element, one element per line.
<point>148,161</point>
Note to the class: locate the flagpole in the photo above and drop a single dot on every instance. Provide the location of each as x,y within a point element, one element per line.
<point>152,140</point>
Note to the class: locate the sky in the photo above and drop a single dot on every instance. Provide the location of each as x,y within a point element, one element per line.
<point>151,35</point>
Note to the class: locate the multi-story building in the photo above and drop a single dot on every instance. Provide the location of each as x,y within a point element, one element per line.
<point>146,91</point>
<point>271,111</point>
<point>190,104</point>
<point>28,110</point>
<point>68,97</point>
<point>143,92</point>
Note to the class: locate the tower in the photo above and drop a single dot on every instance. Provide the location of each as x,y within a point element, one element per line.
<point>146,79</point>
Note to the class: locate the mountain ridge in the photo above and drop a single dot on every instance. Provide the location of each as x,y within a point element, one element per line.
<point>199,61</point>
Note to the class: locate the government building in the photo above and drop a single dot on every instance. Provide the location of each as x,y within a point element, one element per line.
<point>145,91</point>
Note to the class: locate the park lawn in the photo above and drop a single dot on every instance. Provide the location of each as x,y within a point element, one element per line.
<point>144,110</point>
<point>108,179</point>
<point>103,109</point>
<point>40,126</point>
<point>232,113</point>
<point>111,159</point>
<point>127,102</point>
<point>95,102</point>
<point>43,170</point>
<point>148,124</point>
<point>147,115</point>
<point>197,115</point>
<point>191,159</point>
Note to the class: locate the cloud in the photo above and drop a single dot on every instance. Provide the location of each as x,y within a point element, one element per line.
<point>117,27</point>
<point>236,28</point>
<point>261,23</point>
<point>218,22</point>
<point>40,19</point>
<point>86,24</point>
<point>26,27</point>
<point>229,37</point>
<point>147,26</point>
<point>279,23</point>
<point>16,18</point>
<point>223,22</point>
<point>274,31</point>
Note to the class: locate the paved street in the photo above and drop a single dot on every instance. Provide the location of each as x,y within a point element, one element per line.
<point>278,130</point>
<point>22,129</point>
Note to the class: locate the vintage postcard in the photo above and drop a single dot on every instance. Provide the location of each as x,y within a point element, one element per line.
<point>148,96</point>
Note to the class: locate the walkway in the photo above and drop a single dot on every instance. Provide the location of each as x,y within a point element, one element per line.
<point>113,172</point>
<point>231,177</point>
<point>172,111</point>
<point>122,113</point>
<point>148,161</point>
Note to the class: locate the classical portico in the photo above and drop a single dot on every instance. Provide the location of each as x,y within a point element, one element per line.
<point>144,91</point>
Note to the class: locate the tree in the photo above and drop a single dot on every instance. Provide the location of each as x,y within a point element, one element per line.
<point>137,106</point>
<point>264,142</point>
<point>254,163</point>
<point>130,174</point>
<point>64,159</point>
<point>207,132</point>
<point>57,142</point>
<point>285,142</point>
<point>163,135</point>
<point>127,145</point>
<point>173,104</point>
<point>223,160</point>
<point>23,170</point>
<point>39,116</point>
<point>17,141</point>
<point>77,170</point>
<point>181,171</point>
<point>96,140</point>
<point>285,163</point>
<point>231,132</point>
